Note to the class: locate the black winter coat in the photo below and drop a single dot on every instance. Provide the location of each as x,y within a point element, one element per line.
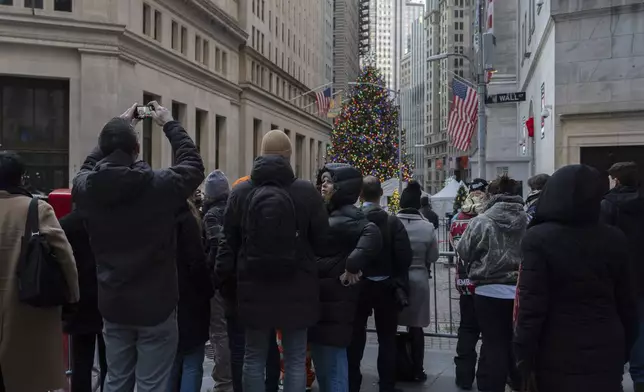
<point>85,317</point>
<point>213,222</point>
<point>353,243</point>
<point>396,255</point>
<point>623,207</point>
<point>576,318</point>
<point>291,302</point>
<point>430,215</point>
<point>131,213</point>
<point>195,287</point>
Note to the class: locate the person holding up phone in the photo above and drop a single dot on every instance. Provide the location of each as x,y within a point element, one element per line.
<point>130,213</point>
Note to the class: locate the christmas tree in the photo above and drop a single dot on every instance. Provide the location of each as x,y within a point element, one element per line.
<point>461,195</point>
<point>393,203</point>
<point>365,133</point>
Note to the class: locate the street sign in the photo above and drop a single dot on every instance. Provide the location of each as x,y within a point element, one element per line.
<point>505,98</point>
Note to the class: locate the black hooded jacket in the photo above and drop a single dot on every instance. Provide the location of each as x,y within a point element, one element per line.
<point>85,319</point>
<point>353,243</point>
<point>292,302</point>
<point>576,319</point>
<point>623,207</point>
<point>131,212</point>
<point>195,286</point>
<point>396,255</point>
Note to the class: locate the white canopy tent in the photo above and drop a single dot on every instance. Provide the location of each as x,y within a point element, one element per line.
<point>443,201</point>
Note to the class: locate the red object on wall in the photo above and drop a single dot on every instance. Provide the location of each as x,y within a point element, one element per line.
<point>465,160</point>
<point>61,201</point>
<point>529,124</point>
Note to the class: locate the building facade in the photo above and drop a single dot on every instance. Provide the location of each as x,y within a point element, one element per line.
<point>382,37</point>
<point>448,28</point>
<point>503,153</point>
<point>413,88</point>
<point>285,57</point>
<point>346,43</point>
<point>68,67</point>
<point>581,66</point>
<point>412,11</point>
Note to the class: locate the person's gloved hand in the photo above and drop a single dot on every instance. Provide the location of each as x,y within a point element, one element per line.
<point>401,298</point>
<point>160,114</point>
<point>130,115</point>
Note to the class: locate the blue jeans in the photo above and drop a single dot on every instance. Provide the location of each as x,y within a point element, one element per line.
<point>257,350</point>
<point>331,367</point>
<point>140,355</point>
<point>237,344</point>
<point>187,372</point>
<point>636,366</point>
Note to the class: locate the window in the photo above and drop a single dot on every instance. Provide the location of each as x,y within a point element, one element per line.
<point>179,114</point>
<point>147,29</point>
<point>34,122</point>
<point>253,7</point>
<point>175,35</point>
<point>257,137</point>
<point>6,2</point>
<point>224,63</point>
<point>502,171</point>
<point>270,22</point>
<point>217,60</point>
<point>59,5</point>
<point>206,53</point>
<point>34,4</point>
<point>262,48</point>
<point>158,23</point>
<point>148,124</point>
<point>253,39</point>
<point>263,5</point>
<point>201,130</point>
<point>198,49</point>
<point>184,40</point>
<point>220,139</point>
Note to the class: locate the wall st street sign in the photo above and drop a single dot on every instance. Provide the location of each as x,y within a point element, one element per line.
<point>505,98</point>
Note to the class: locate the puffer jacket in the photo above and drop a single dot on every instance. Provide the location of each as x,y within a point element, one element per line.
<point>213,223</point>
<point>287,303</point>
<point>531,204</point>
<point>353,243</point>
<point>491,245</point>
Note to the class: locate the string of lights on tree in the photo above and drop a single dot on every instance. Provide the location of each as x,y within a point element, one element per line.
<point>461,196</point>
<point>365,133</point>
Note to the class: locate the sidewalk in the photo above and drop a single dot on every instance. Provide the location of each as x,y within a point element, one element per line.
<point>439,367</point>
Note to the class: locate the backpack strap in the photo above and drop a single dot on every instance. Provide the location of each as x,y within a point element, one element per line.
<point>31,229</point>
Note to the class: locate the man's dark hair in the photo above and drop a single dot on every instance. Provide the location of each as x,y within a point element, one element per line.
<point>371,189</point>
<point>625,172</point>
<point>118,134</point>
<point>538,182</point>
<point>504,185</point>
<point>12,168</point>
<point>424,201</point>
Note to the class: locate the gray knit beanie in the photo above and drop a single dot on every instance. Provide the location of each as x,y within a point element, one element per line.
<point>216,185</point>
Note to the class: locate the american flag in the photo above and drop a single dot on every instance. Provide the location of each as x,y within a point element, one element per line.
<point>323,99</point>
<point>462,117</point>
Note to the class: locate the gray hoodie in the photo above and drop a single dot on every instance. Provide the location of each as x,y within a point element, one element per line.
<point>491,245</point>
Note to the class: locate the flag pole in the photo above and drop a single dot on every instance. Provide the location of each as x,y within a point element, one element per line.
<point>311,90</point>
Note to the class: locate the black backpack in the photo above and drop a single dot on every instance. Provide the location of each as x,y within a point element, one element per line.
<point>41,282</point>
<point>271,233</point>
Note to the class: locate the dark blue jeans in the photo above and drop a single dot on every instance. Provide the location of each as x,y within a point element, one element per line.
<point>237,343</point>
<point>187,372</point>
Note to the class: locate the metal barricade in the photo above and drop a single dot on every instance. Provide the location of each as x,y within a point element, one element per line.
<point>444,316</point>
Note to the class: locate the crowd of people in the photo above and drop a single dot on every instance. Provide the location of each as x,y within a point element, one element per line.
<point>551,285</point>
<point>281,276</point>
